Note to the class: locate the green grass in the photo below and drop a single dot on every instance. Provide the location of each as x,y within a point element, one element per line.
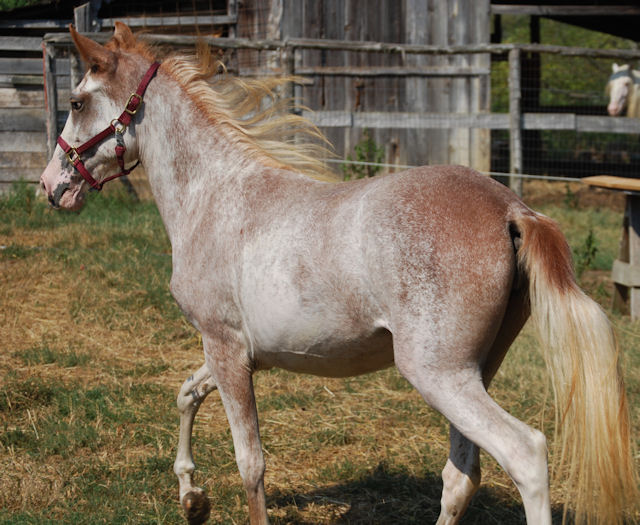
<point>94,350</point>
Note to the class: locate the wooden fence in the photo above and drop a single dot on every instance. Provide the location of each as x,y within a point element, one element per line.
<point>286,58</point>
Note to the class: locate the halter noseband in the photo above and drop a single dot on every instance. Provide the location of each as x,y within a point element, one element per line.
<point>117,126</point>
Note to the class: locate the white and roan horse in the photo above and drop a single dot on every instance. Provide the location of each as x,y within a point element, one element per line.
<point>623,88</point>
<point>435,269</point>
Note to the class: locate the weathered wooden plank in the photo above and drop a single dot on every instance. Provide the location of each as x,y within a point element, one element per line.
<point>515,121</point>
<point>348,45</point>
<point>625,274</point>
<point>63,99</point>
<point>34,24</point>
<point>607,124</point>
<point>564,10</point>
<point>549,121</point>
<point>556,121</point>
<point>21,43</point>
<point>20,80</point>
<point>22,119</point>
<point>181,20</point>
<point>633,211</point>
<point>23,141</point>
<point>408,120</point>
<point>30,159</point>
<point>51,98</point>
<point>21,66</point>
<point>359,71</point>
<point>16,174</point>
<point>480,139</point>
<point>11,97</point>
<point>613,183</point>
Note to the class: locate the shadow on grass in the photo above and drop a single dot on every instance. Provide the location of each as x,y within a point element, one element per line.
<point>385,497</point>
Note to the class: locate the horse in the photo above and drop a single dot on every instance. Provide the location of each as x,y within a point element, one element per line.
<point>623,88</point>
<point>434,270</point>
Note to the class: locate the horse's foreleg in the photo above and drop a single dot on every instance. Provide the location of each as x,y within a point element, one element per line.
<point>234,380</point>
<point>460,478</point>
<point>193,391</point>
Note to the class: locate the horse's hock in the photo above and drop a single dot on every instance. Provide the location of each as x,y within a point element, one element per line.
<point>625,272</point>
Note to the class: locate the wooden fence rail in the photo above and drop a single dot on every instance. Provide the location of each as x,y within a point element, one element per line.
<point>57,83</point>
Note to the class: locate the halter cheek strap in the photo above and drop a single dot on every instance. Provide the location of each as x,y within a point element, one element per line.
<point>117,126</point>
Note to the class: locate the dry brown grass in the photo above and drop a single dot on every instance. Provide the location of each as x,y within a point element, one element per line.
<point>89,367</point>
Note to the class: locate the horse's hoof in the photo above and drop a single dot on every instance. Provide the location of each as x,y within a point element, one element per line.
<point>196,507</point>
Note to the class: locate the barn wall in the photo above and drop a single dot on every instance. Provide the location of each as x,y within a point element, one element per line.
<point>405,21</point>
<point>22,111</point>
<point>22,104</point>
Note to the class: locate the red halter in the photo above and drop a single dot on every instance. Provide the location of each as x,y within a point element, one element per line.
<point>117,126</point>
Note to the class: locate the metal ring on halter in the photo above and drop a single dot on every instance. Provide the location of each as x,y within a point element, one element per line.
<point>72,155</point>
<point>121,129</point>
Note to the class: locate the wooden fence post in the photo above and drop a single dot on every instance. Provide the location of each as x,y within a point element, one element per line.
<point>287,58</point>
<point>51,97</point>
<point>515,122</point>
<point>82,23</point>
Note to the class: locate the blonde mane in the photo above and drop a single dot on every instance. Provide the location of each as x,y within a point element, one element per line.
<point>257,118</point>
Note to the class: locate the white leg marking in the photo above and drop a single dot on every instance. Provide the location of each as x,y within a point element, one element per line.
<point>193,392</point>
<point>460,477</point>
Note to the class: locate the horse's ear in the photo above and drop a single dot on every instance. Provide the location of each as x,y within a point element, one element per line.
<point>123,35</point>
<point>96,57</point>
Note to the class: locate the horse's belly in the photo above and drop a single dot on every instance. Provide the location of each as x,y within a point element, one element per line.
<point>332,358</point>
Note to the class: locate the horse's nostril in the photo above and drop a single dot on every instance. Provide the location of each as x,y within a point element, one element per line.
<point>52,202</point>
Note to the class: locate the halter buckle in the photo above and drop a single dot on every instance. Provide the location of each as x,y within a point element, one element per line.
<point>73,156</point>
<point>131,97</point>
<point>119,127</point>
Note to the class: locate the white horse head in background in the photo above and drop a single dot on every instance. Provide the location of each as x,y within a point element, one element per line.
<point>623,89</point>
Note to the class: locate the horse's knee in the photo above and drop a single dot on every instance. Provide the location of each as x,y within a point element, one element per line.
<point>194,390</point>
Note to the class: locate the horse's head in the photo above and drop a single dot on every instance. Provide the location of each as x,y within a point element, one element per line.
<point>619,89</point>
<point>113,73</point>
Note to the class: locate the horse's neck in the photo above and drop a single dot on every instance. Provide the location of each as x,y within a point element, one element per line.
<point>191,167</point>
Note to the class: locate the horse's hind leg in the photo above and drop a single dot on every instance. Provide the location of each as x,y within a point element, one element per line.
<point>193,391</point>
<point>461,397</point>
<point>460,478</point>
<point>461,474</point>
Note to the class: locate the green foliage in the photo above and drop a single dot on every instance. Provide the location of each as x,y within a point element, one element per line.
<point>585,254</point>
<point>599,247</point>
<point>367,150</point>
<point>564,80</point>
<point>46,355</point>
<point>8,5</point>
<point>570,198</point>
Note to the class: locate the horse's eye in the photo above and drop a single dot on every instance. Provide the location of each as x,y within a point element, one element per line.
<point>76,105</point>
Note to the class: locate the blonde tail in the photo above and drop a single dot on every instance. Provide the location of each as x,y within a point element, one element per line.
<point>594,457</point>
